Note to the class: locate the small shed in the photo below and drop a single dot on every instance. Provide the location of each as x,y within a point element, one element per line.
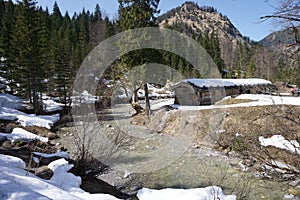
<point>195,92</point>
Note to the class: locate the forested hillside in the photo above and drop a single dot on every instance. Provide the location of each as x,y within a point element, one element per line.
<point>41,50</point>
<point>240,56</point>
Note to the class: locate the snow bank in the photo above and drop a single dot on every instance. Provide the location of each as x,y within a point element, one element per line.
<point>280,142</point>
<point>62,178</point>
<point>10,104</point>
<point>51,106</point>
<point>84,97</point>
<point>269,100</point>
<point>19,134</point>
<point>208,193</point>
<point>14,162</point>
<point>16,183</point>
<point>46,121</point>
<point>28,119</point>
<point>10,101</point>
<point>61,154</point>
<point>156,92</point>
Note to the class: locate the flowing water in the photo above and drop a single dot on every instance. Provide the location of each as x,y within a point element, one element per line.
<point>155,161</point>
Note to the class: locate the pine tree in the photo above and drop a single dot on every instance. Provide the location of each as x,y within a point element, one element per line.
<point>6,32</point>
<point>28,52</point>
<point>215,51</point>
<point>137,14</point>
<point>97,27</point>
<point>56,20</point>
<point>65,62</point>
<point>2,10</point>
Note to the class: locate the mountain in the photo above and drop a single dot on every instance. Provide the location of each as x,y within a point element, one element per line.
<point>201,19</point>
<point>280,41</point>
<point>193,20</point>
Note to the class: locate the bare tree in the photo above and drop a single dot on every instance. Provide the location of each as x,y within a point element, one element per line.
<point>287,16</point>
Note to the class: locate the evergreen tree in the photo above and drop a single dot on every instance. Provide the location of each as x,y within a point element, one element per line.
<point>64,72</point>
<point>215,51</point>
<point>56,20</point>
<point>137,14</point>
<point>2,10</point>
<point>28,52</point>
<point>6,32</point>
<point>97,27</point>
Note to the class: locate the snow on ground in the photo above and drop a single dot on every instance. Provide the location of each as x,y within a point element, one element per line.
<point>28,119</point>
<point>16,183</point>
<point>10,101</point>
<point>258,100</point>
<point>19,134</point>
<point>61,154</point>
<point>208,193</point>
<point>280,142</point>
<point>278,166</point>
<point>84,97</point>
<point>156,93</point>
<point>10,104</point>
<point>269,100</point>
<point>157,104</point>
<point>51,106</point>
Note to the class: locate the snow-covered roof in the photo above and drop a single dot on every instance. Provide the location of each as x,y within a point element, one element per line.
<point>214,82</point>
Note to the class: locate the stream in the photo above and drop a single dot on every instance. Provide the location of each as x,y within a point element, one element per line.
<point>157,161</point>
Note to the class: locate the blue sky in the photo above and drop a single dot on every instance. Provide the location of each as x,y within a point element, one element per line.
<point>244,14</point>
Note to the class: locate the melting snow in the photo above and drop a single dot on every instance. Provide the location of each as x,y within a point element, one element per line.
<point>16,183</point>
<point>9,106</point>
<point>19,134</point>
<point>280,142</point>
<point>208,193</point>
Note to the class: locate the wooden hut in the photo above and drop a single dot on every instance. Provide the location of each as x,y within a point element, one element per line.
<point>195,92</point>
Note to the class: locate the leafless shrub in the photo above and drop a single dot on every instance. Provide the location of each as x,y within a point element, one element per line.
<point>242,137</point>
<point>96,142</point>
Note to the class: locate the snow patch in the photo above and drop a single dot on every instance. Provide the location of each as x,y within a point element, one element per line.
<point>16,183</point>
<point>14,162</point>
<point>208,193</point>
<point>280,142</point>
<point>19,134</point>
<point>61,154</point>
<point>10,104</point>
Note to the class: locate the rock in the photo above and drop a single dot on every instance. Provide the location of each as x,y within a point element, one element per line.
<point>9,127</point>
<point>43,172</point>
<point>41,131</point>
<point>7,144</point>
<point>94,185</point>
<point>52,136</point>
<point>294,183</point>
<point>293,192</point>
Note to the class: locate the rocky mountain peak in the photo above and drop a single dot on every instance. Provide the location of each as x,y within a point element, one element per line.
<point>203,19</point>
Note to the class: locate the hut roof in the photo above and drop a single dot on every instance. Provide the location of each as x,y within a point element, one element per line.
<point>214,82</point>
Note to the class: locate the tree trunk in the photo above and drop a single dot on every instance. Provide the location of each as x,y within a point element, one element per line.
<point>134,103</point>
<point>148,110</point>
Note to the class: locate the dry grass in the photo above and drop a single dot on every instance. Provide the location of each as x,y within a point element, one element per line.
<point>234,101</point>
<point>241,128</point>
